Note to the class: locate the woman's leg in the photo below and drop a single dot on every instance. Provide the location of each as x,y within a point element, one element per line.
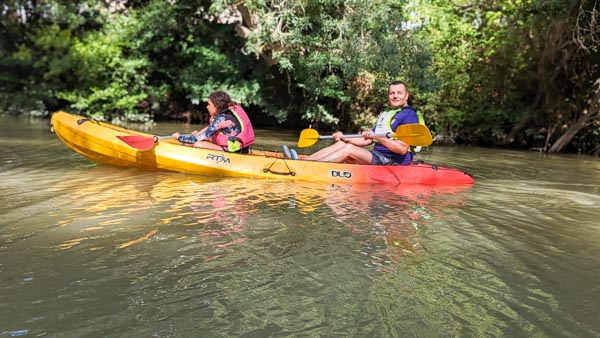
<point>207,145</point>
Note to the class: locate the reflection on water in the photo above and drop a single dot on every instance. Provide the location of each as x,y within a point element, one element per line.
<point>90,250</point>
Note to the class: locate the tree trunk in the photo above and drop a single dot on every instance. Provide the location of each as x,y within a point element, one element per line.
<point>591,113</point>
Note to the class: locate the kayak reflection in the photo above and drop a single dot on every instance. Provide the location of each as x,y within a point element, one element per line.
<point>231,211</point>
<point>392,215</point>
<point>127,209</point>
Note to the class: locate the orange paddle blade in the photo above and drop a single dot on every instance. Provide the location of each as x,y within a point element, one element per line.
<point>138,141</point>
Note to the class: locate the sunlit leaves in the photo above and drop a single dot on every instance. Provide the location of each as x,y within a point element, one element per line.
<point>474,68</point>
<point>505,63</point>
<point>327,44</point>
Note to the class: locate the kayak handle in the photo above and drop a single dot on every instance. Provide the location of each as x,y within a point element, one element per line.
<point>268,170</point>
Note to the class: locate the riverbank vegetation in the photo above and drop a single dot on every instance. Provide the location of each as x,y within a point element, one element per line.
<point>499,73</point>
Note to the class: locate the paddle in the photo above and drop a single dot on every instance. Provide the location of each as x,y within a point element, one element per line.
<point>415,134</point>
<point>142,142</point>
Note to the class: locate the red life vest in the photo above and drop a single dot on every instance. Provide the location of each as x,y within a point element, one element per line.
<point>246,135</point>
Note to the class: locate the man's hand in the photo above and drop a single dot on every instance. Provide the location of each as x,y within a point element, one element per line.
<point>338,136</point>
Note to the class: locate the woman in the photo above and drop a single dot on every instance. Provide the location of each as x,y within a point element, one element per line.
<point>229,127</point>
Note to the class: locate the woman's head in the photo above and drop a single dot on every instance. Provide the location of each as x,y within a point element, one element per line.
<point>218,100</point>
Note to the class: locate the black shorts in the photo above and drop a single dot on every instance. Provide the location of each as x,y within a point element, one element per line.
<point>382,159</point>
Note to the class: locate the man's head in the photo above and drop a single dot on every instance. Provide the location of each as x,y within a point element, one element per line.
<point>397,94</point>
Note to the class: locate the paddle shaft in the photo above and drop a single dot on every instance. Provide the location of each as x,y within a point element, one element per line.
<point>414,134</point>
<point>326,137</point>
<point>157,138</point>
<point>142,142</point>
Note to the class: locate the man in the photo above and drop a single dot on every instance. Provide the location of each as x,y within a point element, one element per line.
<point>387,151</point>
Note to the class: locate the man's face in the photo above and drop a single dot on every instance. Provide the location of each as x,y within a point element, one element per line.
<point>397,96</point>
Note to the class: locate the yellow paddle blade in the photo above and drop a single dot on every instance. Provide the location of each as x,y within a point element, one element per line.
<point>414,134</point>
<point>308,137</point>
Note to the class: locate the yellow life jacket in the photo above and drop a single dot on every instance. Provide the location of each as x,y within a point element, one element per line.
<point>421,121</point>
<point>384,123</point>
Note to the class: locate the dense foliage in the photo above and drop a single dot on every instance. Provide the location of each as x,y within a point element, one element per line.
<point>516,73</point>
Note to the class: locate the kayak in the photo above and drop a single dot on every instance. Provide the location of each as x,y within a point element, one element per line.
<point>103,143</point>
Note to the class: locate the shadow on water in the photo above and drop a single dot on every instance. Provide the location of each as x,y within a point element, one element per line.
<point>89,250</point>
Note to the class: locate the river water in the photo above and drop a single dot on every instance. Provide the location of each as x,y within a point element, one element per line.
<point>101,251</point>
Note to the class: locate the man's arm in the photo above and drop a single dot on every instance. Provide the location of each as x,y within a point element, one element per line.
<point>397,146</point>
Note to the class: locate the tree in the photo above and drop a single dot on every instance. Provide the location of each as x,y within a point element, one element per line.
<point>335,57</point>
<point>580,62</point>
<point>515,73</point>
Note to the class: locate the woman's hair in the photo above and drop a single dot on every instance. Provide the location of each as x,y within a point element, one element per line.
<point>221,100</point>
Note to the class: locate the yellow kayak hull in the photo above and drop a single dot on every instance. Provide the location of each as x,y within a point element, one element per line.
<point>98,141</point>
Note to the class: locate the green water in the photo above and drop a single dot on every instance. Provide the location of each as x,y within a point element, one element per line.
<point>100,251</point>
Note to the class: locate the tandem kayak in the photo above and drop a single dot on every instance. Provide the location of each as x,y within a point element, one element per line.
<point>102,142</point>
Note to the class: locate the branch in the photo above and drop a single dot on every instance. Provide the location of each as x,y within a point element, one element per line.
<point>591,32</point>
<point>242,30</point>
<point>465,6</point>
<point>246,16</point>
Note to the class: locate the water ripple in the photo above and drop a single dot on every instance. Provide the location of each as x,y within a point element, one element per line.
<point>89,250</point>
